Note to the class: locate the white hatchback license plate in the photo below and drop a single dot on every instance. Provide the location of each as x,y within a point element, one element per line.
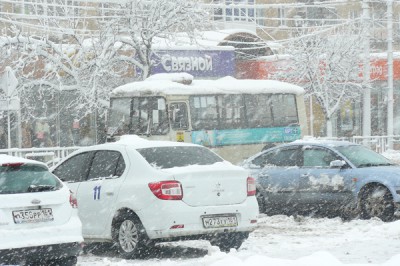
<point>220,221</point>
<point>33,216</point>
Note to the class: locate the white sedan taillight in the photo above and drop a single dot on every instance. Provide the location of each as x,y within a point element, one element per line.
<point>251,186</point>
<point>167,190</point>
<point>72,200</point>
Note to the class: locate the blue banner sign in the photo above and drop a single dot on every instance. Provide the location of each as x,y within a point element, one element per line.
<point>215,138</point>
<point>199,63</point>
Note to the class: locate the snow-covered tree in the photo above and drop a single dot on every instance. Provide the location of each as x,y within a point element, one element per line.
<point>328,66</point>
<point>122,49</point>
<point>74,48</point>
<point>142,21</point>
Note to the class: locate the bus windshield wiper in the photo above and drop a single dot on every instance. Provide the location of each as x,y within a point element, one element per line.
<point>148,130</point>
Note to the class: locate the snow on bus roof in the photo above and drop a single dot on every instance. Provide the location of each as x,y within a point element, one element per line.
<point>230,85</point>
<point>176,77</point>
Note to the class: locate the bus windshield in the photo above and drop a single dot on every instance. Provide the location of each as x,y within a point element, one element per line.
<point>139,115</point>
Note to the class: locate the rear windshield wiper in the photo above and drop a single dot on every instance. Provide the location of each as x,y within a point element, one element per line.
<point>40,188</point>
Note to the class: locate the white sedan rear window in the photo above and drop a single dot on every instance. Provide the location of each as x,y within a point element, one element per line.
<point>179,156</point>
<point>27,179</point>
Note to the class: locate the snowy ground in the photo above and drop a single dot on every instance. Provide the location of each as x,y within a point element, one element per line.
<point>284,241</point>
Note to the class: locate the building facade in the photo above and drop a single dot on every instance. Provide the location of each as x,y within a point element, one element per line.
<point>278,20</point>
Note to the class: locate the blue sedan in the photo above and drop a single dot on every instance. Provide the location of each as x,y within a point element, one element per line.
<point>326,176</point>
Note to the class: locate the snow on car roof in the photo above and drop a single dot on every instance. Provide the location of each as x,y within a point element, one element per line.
<point>8,159</point>
<point>226,85</point>
<point>135,142</point>
<point>139,143</point>
<point>325,142</point>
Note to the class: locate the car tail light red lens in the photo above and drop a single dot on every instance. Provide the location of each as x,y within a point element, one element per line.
<point>12,164</point>
<point>167,190</point>
<point>251,186</point>
<point>72,200</point>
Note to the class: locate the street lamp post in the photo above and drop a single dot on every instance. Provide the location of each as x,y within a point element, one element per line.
<point>390,72</point>
<point>9,83</point>
<point>8,123</point>
<point>366,122</point>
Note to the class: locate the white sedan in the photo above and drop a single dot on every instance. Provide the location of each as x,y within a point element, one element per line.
<point>39,222</point>
<point>136,192</point>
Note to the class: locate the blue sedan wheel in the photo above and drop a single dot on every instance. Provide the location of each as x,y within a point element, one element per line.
<point>377,201</point>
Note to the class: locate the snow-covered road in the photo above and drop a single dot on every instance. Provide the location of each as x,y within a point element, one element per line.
<point>284,241</point>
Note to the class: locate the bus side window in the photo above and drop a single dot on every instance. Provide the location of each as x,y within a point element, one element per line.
<point>179,116</point>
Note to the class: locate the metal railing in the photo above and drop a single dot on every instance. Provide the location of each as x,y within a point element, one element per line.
<point>52,155</point>
<point>379,144</point>
<point>48,155</point>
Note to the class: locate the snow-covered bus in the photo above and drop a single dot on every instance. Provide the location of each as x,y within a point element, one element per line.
<point>235,118</point>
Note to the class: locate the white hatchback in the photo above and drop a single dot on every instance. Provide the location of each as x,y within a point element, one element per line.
<point>39,222</point>
<point>136,192</point>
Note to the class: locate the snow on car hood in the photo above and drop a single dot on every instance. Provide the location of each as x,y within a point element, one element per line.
<point>382,171</point>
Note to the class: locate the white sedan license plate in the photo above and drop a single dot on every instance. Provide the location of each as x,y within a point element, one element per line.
<point>219,221</point>
<point>33,216</point>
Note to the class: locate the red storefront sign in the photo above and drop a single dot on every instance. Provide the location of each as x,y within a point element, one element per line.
<point>379,69</point>
<point>265,69</point>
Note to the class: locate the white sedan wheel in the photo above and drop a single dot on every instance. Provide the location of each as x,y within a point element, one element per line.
<point>128,236</point>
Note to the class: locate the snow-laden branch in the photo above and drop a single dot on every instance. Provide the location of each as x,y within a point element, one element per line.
<point>328,67</point>
<point>71,55</point>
